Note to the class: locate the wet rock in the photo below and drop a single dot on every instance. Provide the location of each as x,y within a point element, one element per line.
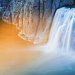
<point>33,17</point>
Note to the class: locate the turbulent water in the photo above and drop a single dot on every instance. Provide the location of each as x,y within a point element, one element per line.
<point>62,33</point>
<point>60,57</point>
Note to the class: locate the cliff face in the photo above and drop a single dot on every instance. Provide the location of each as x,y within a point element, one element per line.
<point>33,17</point>
<point>3,6</point>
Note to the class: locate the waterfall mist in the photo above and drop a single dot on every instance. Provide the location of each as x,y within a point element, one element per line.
<point>59,55</point>
<point>59,50</point>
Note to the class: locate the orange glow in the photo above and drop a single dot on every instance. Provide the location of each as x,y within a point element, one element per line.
<point>12,53</point>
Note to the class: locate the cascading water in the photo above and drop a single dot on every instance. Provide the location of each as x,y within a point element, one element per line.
<point>61,35</point>
<point>62,31</point>
<point>61,61</point>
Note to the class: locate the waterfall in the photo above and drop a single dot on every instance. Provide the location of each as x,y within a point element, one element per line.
<point>33,21</point>
<point>62,31</point>
<point>61,36</point>
<point>59,57</point>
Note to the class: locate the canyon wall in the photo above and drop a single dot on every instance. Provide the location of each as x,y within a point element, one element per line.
<point>31,17</point>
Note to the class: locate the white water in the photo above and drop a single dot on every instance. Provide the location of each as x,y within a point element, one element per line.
<point>62,29</point>
<point>61,39</point>
<point>62,32</point>
<point>59,51</point>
